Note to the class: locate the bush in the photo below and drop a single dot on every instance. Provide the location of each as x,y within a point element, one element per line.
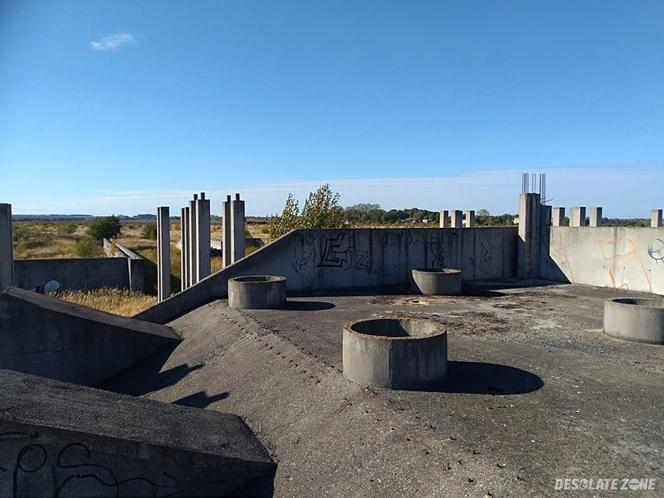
<point>86,248</point>
<point>149,232</point>
<point>105,227</point>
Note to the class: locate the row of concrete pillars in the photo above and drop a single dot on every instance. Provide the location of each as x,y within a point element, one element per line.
<point>196,241</point>
<point>577,217</point>
<point>455,219</point>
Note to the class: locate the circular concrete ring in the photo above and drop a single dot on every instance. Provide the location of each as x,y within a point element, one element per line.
<point>257,292</point>
<point>437,281</point>
<point>395,353</point>
<point>635,319</point>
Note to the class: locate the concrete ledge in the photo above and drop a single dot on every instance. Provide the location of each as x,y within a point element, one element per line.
<point>639,320</point>
<point>257,292</point>
<point>60,439</point>
<point>437,281</point>
<point>45,336</point>
<point>394,353</point>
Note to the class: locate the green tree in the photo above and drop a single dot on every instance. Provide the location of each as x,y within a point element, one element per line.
<point>287,221</point>
<point>149,231</point>
<point>105,227</point>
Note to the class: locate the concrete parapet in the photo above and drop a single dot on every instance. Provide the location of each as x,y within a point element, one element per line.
<point>45,336</point>
<point>444,219</point>
<point>6,247</point>
<point>639,320</point>
<point>395,353</point>
<point>61,439</point>
<point>558,217</point>
<point>595,217</point>
<point>577,216</point>
<point>470,219</point>
<point>163,253</point>
<point>257,292</point>
<point>656,218</point>
<point>437,281</point>
<point>457,219</point>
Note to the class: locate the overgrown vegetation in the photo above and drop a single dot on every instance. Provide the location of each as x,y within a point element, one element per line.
<point>321,210</point>
<point>105,227</point>
<point>149,232</point>
<point>87,248</point>
<point>118,301</point>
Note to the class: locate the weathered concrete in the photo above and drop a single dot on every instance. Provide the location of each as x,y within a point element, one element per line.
<point>184,248</point>
<point>61,439</point>
<point>577,216</point>
<point>65,341</point>
<point>630,258</point>
<point>318,260</point>
<point>6,247</point>
<point>193,240</point>
<point>595,217</point>
<point>238,228</point>
<point>203,237</point>
<point>135,265</point>
<point>227,234</point>
<point>437,281</point>
<point>639,320</point>
<point>530,234</point>
<point>395,353</point>
<point>558,217</point>
<point>79,273</point>
<point>470,219</point>
<point>257,292</point>
<point>457,219</point>
<point>444,219</point>
<point>163,253</point>
<point>656,218</point>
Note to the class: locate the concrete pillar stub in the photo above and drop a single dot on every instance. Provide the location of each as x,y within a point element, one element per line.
<point>558,217</point>
<point>656,218</point>
<point>226,239</point>
<point>457,218</point>
<point>203,237</point>
<point>163,253</point>
<point>193,238</point>
<point>595,216</point>
<point>470,218</point>
<point>531,228</point>
<point>577,216</point>
<point>444,219</point>
<point>6,247</point>
<point>238,226</point>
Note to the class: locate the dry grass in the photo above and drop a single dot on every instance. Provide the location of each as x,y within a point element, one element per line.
<point>47,240</point>
<point>118,301</point>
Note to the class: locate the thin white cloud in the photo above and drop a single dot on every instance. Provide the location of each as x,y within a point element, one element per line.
<point>113,42</point>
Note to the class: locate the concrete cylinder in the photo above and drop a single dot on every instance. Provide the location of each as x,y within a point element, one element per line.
<point>437,281</point>
<point>635,319</point>
<point>395,353</point>
<point>257,292</point>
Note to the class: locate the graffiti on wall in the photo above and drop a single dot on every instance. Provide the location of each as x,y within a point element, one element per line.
<point>656,250</point>
<point>623,253</point>
<point>340,251</point>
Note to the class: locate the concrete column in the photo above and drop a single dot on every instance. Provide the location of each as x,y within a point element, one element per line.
<point>6,247</point>
<point>470,218</point>
<point>136,274</point>
<point>163,253</point>
<point>530,236</point>
<point>184,248</point>
<point>193,238</point>
<point>226,238</point>
<point>444,219</point>
<point>577,216</point>
<point>238,227</point>
<point>203,236</point>
<point>457,219</point>
<point>656,218</point>
<point>558,217</point>
<point>595,217</point>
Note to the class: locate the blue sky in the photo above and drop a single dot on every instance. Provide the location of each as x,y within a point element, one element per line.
<point>121,106</point>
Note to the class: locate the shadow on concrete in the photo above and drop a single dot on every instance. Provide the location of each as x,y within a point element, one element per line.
<point>307,306</point>
<point>487,378</point>
<point>148,377</point>
<point>200,399</point>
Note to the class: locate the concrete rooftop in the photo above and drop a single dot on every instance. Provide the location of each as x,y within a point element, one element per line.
<point>535,392</point>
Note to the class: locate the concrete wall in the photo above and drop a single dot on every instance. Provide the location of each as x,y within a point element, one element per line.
<point>75,273</point>
<point>135,264</point>
<point>321,260</point>
<point>60,439</point>
<point>630,258</point>
<point>45,336</point>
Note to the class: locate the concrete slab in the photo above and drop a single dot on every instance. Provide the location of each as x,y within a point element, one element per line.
<point>59,439</point>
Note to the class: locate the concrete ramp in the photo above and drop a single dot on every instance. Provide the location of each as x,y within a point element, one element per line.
<point>59,439</point>
<point>45,336</point>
